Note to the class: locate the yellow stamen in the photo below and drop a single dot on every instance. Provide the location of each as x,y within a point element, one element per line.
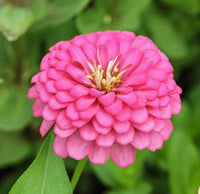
<point>105,81</point>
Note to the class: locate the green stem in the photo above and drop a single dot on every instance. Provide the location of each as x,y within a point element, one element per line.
<point>79,169</point>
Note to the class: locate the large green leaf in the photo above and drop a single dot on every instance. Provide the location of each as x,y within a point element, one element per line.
<point>60,11</point>
<point>13,148</point>
<point>183,163</point>
<point>114,176</point>
<point>15,20</point>
<point>15,109</point>
<point>112,15</point>
<point>46,175</point>
<point>169,39</point>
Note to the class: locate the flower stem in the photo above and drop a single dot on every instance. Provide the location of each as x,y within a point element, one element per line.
<point>79,169</point>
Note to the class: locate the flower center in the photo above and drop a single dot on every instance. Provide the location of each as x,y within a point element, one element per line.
<point>105,80</point>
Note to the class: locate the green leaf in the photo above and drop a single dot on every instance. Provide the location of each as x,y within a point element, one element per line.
<point>46,175</point>
<point>13,148</point>
<point>60,11</point>
<point>114,176</point>
<point>188,6</point>
<point>15,20</point>
<point>15,109</point>
<point>169,39</point>
<point>141,188</point>
<point>183,162</point>
<point>120,15</point>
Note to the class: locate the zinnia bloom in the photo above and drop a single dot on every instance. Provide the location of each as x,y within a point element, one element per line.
<point>107,94</point>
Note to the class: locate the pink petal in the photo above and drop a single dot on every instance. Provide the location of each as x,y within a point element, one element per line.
<point>87,132</point>
<point>162,112</point>
<point>64,96</point>
<point>124,114</point>
<point>60,147</point>
<point>165,66</point>
<point>135,80</point>
<point>90,50</point>
<point>107,99</point>
<point>129,99</point>
<point>44,95</point>
<point>162,90</point>
<point>105,140</point>
<point>34,79</point>
<point>159,125</point>
<point>113,49</point>
<point>99,155</point>
<point>56,74</point>
<point>84,102</point>
<point>72,112</point>
<point>45,62</point>
<point>115,107</point>
<point>164,101</point>
<point>89,112</point>
<point>125,138</point>
<point>139,115</point>
<point>152,55</point>
<point>32,93</point>
<point>78,148</point>
<point>141,140</point>
<point>150,94</point>
<point>55,105</point>
<point>151,84</point>
<point>62,56</point>
<point>60,65</point>
<point>79,123</point>
<point>147,126</point>
<point>155,102</point>
<point>49,85</point>
<point>99,128</point>
<point>175,106</point>
<point>78,55</point>
<point>102,55</point>
<point>49,114</point>
<point>76,73</point>
<point>123,155</point>
<point>64,84</point>
<point>38,107</point>
<point>122,127</point>
<point>64,133</point>
<point>139,41</point>
<point>62,121</point>
<point>133,57</point>
<point>96,93</point>
<point>156,141</point>
<point>45,127</point>
<point>124,46</point>
<point>42,76</point>
<point>104,118</point>
<point>167,130</point>
<point>157,74</point>
<point>78,91</point>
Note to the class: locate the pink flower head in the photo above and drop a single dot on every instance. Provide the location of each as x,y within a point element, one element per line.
<point>106,93</point>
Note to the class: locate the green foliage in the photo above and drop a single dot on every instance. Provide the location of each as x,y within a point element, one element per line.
<point>183,163</point>
<point>114,176</point>
<point>14,21</point>
<point>15,109</point>
<point>13,148</point>
<point>112,15</point>
<point>46,175</point>
<point>34,26</point>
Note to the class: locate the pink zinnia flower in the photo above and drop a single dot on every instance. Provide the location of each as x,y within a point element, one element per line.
<point>108,93</point>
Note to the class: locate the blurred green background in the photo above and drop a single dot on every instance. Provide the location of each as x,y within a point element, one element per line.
<point>29,27</point>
